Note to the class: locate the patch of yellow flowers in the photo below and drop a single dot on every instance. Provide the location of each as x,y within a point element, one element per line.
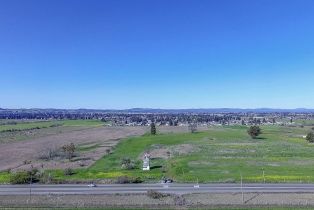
<point>278,178</point>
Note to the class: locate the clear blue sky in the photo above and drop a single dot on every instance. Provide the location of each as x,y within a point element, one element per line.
<point>158,54</point>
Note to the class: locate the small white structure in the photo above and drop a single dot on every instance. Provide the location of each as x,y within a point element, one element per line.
<point>146,166</point>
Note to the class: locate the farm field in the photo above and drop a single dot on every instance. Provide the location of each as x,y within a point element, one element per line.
<point>18,130</point>
<point>220,154</point>
<point>215,154</point>
<point>28,140</point>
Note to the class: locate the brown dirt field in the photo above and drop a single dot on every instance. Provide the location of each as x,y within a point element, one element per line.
<point>9,137</point>
<point>187,201</point>
<point>12,155</point>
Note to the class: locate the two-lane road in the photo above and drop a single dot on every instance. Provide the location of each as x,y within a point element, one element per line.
<point>73,189</point>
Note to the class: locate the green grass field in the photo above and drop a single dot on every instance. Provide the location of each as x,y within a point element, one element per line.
<point>305,122</point>
<point>28,125</point>
<point>82,123</point>
<point>24,125</point>
<point>221,154</point>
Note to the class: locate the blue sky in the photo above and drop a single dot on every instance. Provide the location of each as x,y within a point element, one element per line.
<point>158,54</point>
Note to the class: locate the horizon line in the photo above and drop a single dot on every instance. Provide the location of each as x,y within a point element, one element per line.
<point>132,108</point>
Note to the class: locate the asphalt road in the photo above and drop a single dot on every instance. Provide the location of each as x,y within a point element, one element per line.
<point>73,189</point>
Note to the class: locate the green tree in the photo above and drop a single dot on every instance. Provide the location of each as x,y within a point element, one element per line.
<point>254,131</point>
<point>153,129</point>
<point>310,137</point>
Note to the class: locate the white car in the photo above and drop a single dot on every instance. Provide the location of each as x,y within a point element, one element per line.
<point>92,185</point>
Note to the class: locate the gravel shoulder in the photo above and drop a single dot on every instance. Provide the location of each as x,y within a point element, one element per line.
<point>170,201</point>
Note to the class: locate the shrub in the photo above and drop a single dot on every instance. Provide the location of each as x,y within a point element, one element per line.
<point>128,180</point>
<point>25,177</point>
<point>68,172</point>
<point>82,164</point>
<point>137,180</point>
<point>156,195</point>
<point>123,180</point>
<point>25,162</point>
<point>310,137</point>
<point>8,170</point>
<point>21,177</point>
<point>46,178</point>
<point>49,154</point>
<point>179,201</point>
<point>163,169</point>
<point>127,163</point>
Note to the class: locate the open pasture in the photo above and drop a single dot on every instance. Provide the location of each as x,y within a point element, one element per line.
<point>220,154</point>
<point>213,154</point>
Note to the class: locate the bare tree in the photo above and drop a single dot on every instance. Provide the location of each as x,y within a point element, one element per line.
<point>192,127</point>
<point>69,150</point>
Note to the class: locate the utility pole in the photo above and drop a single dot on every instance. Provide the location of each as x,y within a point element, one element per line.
<point>30,188</point>
<point>242,190</point>
<point>264,176</point>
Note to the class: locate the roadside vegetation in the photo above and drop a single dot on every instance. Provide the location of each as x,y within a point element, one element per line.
<point>216,208</point>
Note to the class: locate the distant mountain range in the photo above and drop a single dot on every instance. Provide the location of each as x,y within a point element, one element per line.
<point>151,110</point>
<point>217,110</point>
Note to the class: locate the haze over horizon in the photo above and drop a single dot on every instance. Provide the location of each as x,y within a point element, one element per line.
<point>166,109</point>
<point>177,54</point>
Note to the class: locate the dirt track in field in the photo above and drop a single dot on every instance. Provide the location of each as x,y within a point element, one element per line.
<point>13,155</point>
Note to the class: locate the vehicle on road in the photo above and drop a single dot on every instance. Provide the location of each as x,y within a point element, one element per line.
<point>92,185</point>
<point>166,180</point>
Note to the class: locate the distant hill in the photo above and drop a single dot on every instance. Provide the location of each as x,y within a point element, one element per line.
<point>151,110</point>
<point>218,110</point>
